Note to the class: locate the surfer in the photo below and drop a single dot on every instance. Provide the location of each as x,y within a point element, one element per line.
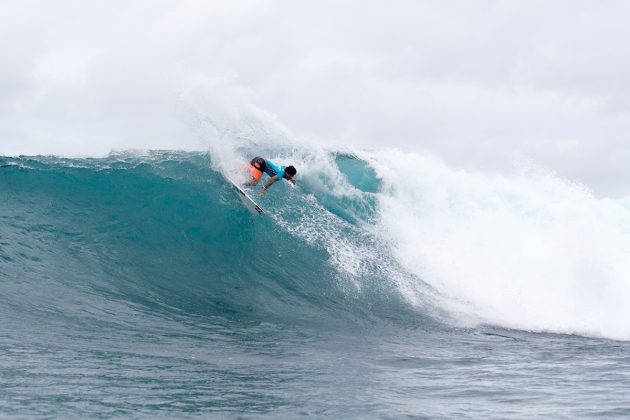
<point>260,165</point>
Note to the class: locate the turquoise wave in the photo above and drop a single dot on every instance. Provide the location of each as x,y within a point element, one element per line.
<point>94,239</point>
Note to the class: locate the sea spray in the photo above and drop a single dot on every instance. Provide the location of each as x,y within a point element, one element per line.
<point>530,251</point>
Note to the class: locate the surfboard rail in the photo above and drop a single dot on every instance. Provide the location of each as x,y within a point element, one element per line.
<point>247,201</point>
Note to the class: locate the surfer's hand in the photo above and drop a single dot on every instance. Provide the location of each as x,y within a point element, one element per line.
<point>263,192</point>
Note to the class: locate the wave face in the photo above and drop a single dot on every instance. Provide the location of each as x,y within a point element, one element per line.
<point>167,233</point>
<point>365,236</point>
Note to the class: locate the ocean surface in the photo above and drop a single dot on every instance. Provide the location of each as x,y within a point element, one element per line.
<point>384,285</point>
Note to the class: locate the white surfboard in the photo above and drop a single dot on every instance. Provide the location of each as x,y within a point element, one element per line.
<point>251,205</point>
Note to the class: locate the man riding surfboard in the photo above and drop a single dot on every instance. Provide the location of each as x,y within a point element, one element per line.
<point>259,165</point>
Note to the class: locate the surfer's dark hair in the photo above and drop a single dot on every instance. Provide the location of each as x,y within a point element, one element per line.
<point>290,170</point>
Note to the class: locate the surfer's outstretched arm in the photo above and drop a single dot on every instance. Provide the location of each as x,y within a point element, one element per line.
<point>268,184</point>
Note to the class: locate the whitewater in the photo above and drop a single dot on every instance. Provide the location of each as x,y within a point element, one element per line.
<point>386,284</point>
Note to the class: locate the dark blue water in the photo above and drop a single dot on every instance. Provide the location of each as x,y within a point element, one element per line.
<point>139,286</point>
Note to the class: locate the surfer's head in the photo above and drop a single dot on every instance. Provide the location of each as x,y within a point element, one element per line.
<point>290,170</point>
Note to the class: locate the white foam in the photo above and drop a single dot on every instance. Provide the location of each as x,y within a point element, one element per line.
<point>530,251</point>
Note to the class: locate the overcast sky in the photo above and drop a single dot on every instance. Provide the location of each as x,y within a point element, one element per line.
<point>482,84</point>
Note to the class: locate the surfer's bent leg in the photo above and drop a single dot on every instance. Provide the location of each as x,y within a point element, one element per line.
<point>257,167</point>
